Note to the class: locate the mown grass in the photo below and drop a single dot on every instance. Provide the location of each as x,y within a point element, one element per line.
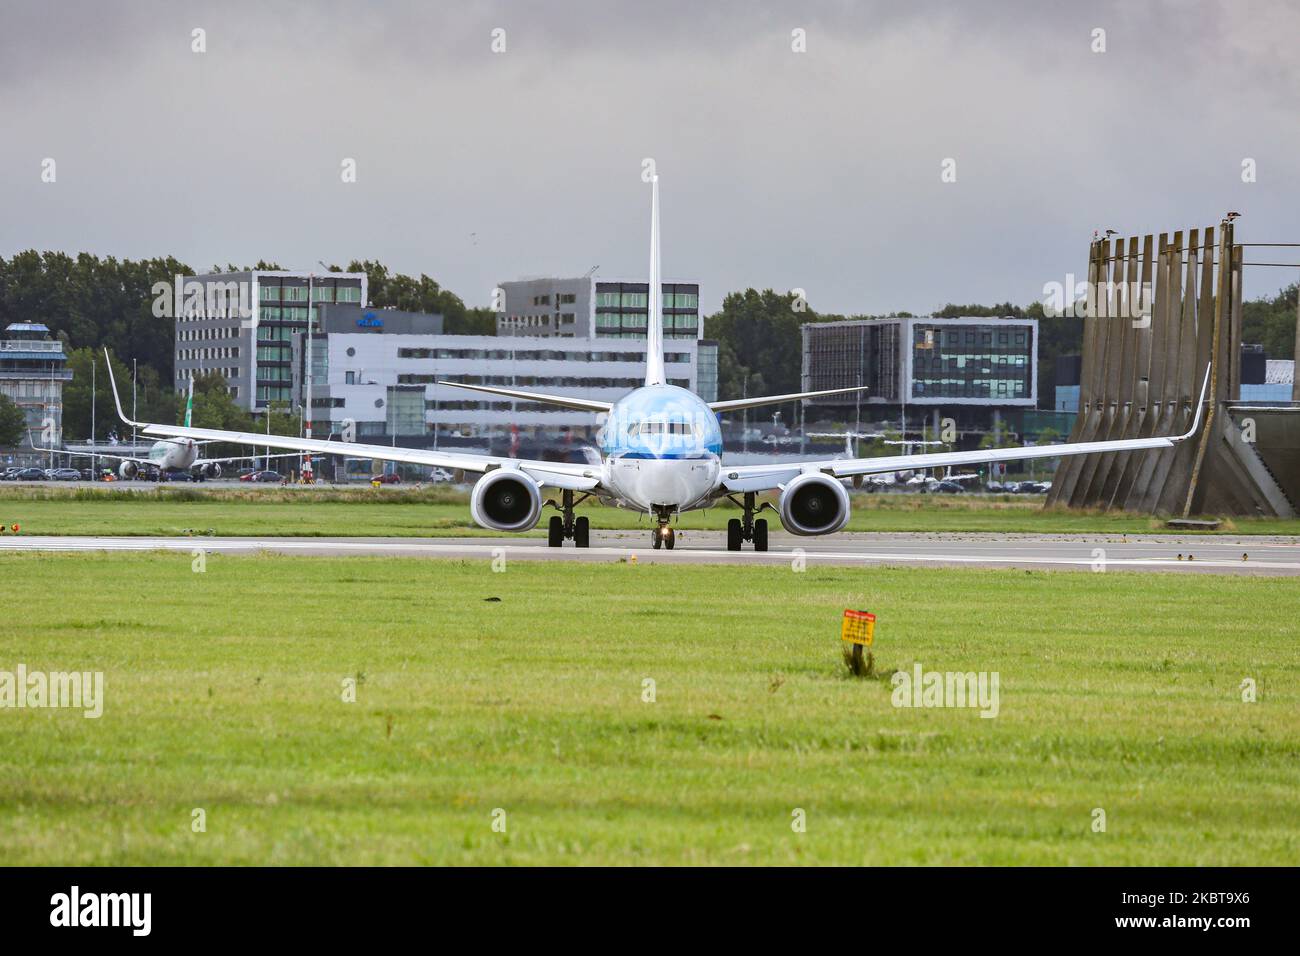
<point>444,512</point>
<point>224,692</point>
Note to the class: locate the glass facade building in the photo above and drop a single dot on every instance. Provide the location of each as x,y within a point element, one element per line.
<point>924,361</point>
<point>971,361</point>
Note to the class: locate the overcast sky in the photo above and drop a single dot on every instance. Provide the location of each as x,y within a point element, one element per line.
<point>819,170</point>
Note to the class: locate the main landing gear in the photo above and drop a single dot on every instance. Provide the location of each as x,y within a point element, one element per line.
<point>663,536</point>
<point>747,529</point>
<point>565,525</point>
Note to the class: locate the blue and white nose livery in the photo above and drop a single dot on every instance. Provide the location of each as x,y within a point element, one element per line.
<point>662,447</point>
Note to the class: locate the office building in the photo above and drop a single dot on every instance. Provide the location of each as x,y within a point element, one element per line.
<point>968,363</point>
<point>587,307</point>
<point>242,325</point>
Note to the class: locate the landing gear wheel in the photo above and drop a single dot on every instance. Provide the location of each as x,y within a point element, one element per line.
<point>734,532</point>
<point>656,540</point>
<point>555,532</point>
<point>582,532</point>
<point>670,538</point>
<point>760,534</point>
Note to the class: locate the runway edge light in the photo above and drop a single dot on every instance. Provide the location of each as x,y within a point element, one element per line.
<point>858,631</point>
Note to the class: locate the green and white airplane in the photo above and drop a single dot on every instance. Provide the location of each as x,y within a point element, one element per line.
<point>175,454</point>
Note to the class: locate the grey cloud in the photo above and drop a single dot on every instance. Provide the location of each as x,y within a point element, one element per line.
<point>818,170</point>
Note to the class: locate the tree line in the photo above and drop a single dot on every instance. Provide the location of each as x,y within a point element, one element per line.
<point>91,302</point>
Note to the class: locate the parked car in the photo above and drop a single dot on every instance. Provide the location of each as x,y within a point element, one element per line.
<point>389,479</point>
<point>65,474</point>
<point>9,473</point>
<point>178,474</point>
<point>440,475</point>
<point>30,474</point>
<point>244,473</point>
<point>949,488</point>
<point>265,476</point>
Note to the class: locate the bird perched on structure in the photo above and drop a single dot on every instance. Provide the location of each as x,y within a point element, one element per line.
<point>1111,232</point>
<point>1231,216</point>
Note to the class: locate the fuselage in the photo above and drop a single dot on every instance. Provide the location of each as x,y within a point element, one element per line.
<point>662,449</point>
<point>174,453</point>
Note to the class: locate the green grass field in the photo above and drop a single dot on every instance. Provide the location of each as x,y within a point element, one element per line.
<point>224,692</point>
<point>443,512</point>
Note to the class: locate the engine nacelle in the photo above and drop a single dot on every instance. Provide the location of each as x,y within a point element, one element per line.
<point>506,500</point>
<point>211,471</point>
<point>814,504</point>
<point>128,470</point>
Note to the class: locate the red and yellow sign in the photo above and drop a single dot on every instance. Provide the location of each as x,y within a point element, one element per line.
<point>859,627</point>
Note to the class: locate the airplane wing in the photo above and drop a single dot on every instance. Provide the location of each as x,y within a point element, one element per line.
<point>557,474</point>
<point>732,405</point>
<point>198,462</point>
<point>94,454</point>
<point>148,461</point>
<point>564,401</point>
<point>765,477</point>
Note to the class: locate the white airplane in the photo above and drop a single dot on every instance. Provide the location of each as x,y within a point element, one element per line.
<point>661,454</point>
<point>168,454</point>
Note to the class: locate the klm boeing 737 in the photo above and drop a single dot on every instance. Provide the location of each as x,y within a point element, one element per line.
<point>661,454</point>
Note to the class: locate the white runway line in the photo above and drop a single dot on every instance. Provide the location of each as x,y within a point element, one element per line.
<point>469,549</point>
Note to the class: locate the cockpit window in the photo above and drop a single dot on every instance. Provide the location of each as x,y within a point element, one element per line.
<point>660,428</point>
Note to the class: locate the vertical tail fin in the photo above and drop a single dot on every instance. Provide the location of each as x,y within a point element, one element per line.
<point>189,404</point>
<point>654,352</point>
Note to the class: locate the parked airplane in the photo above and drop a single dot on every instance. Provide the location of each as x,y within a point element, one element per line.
<point>180,454</point>
<point>661,454</point>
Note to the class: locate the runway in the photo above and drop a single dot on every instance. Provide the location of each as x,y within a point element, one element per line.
<point>1176,554</point>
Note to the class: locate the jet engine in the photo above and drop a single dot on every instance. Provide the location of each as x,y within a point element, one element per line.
<point>128,470</point>
<point>506,500</point>
<point>814,504</point>
<point>211,471</point>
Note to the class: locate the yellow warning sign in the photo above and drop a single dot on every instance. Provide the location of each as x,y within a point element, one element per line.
<point>858,627</point>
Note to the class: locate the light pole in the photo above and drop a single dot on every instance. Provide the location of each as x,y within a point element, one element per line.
<point>133,406</point>
<point>306,464</point>
<point>94,462</point>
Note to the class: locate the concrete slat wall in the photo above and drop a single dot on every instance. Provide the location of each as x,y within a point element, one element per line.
<point>1142,378</point>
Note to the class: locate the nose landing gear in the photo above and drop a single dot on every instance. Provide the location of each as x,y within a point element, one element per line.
<point>748,528</point>
<point>565,525</point>
<point>663,536</point>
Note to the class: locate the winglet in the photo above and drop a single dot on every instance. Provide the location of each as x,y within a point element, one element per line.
<point>1200,408</point>
<point>112,381</point>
